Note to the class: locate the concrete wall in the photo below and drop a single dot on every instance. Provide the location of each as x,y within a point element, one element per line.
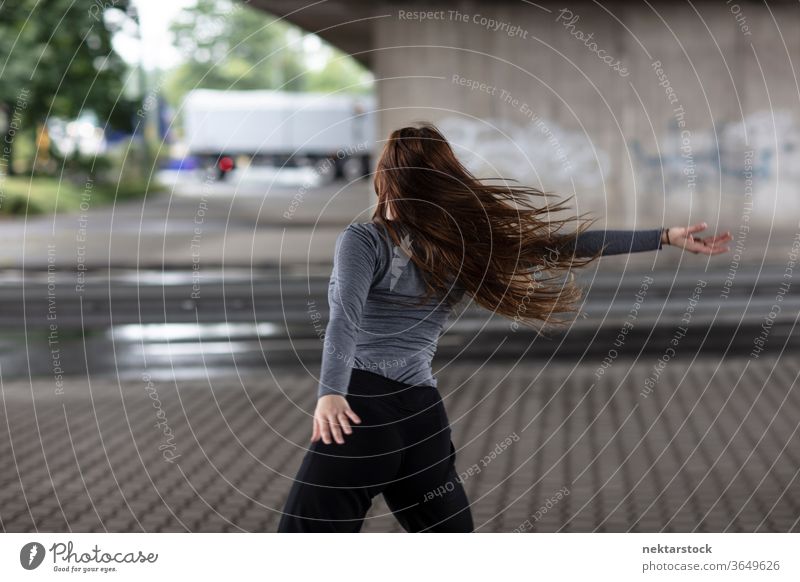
<point>554,114</point>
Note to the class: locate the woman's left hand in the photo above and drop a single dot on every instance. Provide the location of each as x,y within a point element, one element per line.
<point>682,236</point>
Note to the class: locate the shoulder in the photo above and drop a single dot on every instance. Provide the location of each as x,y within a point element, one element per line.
<point>366,231</point>
<point>361,237</point>
<point>368,228</point>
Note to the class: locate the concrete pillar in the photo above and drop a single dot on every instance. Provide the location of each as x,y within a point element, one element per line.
<point>656,130</point>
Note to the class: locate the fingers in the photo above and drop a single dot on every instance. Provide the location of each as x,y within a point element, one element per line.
<point>345,424</point>
<point>696,227</point>
<point>699,248</point>
<point>717,239</point>
<point>332,422</point>
<point>710,245</point>
<point>696,247</point>
<point>353,416</point>
<point>331,430</point>
<point>718,247</point>
<point>325,430</point>
<point>336,430</point>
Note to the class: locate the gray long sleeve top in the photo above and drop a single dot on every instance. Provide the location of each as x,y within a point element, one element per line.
<point>367,329</point>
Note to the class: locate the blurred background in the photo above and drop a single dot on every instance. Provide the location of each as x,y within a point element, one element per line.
<point>173,176</point>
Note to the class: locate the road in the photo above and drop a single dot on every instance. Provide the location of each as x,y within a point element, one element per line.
<point>257,223</point>
<point>249,318</point>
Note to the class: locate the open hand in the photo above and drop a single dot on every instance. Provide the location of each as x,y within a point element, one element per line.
<point>332,416</point>
<point>683,236</point>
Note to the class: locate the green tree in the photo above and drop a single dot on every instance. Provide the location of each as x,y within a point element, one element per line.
<point>56,59</point>
<point>229,45</point>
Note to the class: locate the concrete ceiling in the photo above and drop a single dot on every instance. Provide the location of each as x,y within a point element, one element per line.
<point>345,24</point>
<point>348,24</point>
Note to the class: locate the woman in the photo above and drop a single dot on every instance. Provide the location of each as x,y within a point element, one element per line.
<point>438,234</point>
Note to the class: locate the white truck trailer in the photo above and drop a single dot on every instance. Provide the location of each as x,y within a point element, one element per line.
<point>334,133</point>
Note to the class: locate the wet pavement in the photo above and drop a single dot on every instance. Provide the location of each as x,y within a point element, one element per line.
<point>123,321</point>
<point>549,446</point>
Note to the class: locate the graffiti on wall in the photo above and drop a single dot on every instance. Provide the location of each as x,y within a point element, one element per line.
<point>763,147</point>
<point>765,143</point>
<point>539,152</point>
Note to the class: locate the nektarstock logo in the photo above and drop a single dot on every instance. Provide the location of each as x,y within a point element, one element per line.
<point>31,555</point>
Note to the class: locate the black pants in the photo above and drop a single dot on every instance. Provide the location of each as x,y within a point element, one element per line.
<point>401,449</point>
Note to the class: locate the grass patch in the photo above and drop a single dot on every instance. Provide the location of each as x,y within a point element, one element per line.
<point>21,195</point>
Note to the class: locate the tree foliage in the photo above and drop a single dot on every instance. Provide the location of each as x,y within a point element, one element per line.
<point>56,59</point>
<point>229,45</point>
<point>60,52</point>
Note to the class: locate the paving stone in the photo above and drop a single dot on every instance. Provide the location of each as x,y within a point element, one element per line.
<point>687,458</point>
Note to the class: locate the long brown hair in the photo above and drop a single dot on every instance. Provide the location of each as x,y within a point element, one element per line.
<point>490,238</point>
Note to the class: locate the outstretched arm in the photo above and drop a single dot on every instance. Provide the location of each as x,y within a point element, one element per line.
<point>615,242</point>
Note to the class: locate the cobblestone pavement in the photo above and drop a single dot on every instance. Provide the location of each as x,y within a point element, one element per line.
<point>713,447</point>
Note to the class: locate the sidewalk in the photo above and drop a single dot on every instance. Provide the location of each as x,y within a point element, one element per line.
<point>710,449</point>
<point>286,226</point>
